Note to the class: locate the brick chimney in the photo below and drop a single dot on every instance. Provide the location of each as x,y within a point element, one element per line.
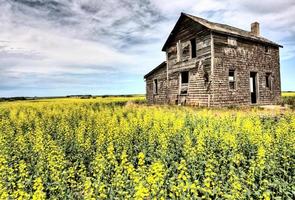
<point>255,30</point>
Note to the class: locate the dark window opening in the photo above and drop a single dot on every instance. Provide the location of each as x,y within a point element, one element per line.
<point>231,79</point>
<point>170,54</point>
<point>183,91</point>
<point>253,88</point>
<point>193,48</point>
<point>206,78</point>
<point>268,80</point>
<point>155,86</point>
<point>266,49</point>
<point>184,76</point>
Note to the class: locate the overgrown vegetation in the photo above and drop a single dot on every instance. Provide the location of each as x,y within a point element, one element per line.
<point>288,98</point>
<point>106,148</point>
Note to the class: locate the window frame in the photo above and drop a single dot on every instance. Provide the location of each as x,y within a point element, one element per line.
<point>268,80</point>
<point>155,86</point>
<point>232,44</point>
<point>193,44</point>
<point>187,77</point>
<point>184,86</point>
<point>232,82</point>
<point>266,50</point>
<point>179,51</point>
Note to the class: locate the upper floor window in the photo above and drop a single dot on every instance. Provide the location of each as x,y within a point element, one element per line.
<point>172,52</point>
<point>232,41</point>
<point>193,48</point>
<point>185,51</point>
<point>266,49</point>
<point>268,80</point>
<point>179,51</point>
<point>232,79</point>
<point>155,86</point>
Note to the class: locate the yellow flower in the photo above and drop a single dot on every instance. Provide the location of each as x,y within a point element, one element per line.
<point>38,190</point>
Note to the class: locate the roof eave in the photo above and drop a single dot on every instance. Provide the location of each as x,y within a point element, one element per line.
<point>248,38</point>
<point>212,29</point>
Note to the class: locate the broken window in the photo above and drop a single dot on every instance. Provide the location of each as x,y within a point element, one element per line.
<point>184,76</point>
<point>179,51</point>
<point>185,51</point>
<point>231,79</point>
<point>155,86</point>
<point>268,80</point>
<point>232,41</point>
<point>172,53</point>
<point>193,48</point>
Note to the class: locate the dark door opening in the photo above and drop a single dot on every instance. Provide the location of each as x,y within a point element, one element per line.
<point>253,87</point>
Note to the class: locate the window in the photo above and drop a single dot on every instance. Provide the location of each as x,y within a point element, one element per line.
<point>266,49</point>
<point>172,52</point>
<point>184,76</point>
<point>185,51</point>
<point>232,41</point>
<point>193,48</point>
<point>231,79</point>
<point>206,78</point>
<point>179,51</point>
<point>268,80</point>
<point>155,86</point>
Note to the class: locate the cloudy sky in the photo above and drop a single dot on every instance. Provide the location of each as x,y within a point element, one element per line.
<point>62,47</point>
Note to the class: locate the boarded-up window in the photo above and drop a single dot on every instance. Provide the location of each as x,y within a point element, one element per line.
<point>184,76</point>
<point>268,80</point>
<point>231,79</point>
<point>193,48</point>
<point>155,86</point>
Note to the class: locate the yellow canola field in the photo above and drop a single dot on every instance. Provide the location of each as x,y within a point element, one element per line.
<point>106,148</point>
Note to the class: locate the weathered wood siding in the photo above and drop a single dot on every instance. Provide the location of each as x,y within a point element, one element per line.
<point>208,83</point>
<point>199,68</point>
<point>244,58</point>
<point>160,97</point>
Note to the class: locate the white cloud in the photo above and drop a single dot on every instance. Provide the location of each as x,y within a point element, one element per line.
<point>49,37</point>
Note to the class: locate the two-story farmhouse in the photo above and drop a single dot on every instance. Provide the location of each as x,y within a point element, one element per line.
<point>212,64</point>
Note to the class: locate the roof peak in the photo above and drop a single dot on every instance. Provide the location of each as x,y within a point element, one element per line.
<point>225,29</point>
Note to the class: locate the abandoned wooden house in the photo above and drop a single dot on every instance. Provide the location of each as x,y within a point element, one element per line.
<point>212,64</point>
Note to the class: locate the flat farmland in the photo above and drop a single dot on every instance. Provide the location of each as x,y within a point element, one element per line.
<point>121,148</point>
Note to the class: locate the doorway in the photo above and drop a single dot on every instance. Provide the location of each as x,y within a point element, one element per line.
<point>253,87</point>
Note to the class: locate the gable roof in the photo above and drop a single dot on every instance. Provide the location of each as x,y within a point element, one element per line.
<point>221,28</point>
<point>163,64</point>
